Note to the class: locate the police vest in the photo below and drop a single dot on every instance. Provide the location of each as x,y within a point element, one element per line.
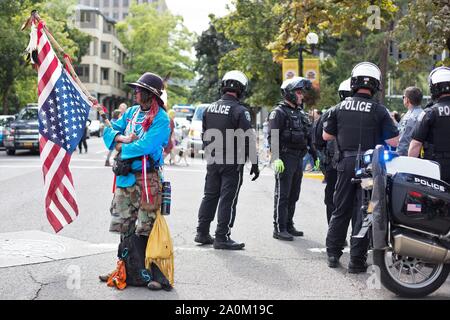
<point>357,124</point>
<point>295,131</point>
<point>441,130</point>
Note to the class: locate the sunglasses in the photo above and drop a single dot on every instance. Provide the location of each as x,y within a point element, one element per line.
<point>137,89</point>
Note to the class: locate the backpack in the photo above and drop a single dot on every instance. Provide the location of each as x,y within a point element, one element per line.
<point>132,252</point>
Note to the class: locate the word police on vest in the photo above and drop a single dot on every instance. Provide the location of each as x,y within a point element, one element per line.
<point>220,109</point>
<point>444,111</point>
<point>429,184</point>
<point>362,106</point>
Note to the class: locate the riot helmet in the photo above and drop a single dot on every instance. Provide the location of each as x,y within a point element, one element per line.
<point>289,86</point>
<point>234,81</point>
<point>366,75</point>
<point>439,82</point>
<point>345,89</point>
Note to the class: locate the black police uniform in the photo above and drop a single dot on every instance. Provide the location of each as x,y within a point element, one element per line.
<point>223,181</point>
<point>359,123</point>
<point>328,163</point>
<point>433,130</point>
<point>294,134</point>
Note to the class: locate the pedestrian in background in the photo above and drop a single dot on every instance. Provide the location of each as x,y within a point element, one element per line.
<point>412,99</point>
<point>83,141</point>
<point>116,115</point>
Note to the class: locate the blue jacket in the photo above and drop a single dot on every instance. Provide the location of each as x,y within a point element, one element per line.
<point>149,143</point>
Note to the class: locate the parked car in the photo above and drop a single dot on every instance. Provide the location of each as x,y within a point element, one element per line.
<point>96,128</point>
<point>23,132</point>
<point>195,130</point>
<point>4,124</point>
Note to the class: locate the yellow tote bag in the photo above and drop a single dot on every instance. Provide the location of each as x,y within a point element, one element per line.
<point>160,248</point>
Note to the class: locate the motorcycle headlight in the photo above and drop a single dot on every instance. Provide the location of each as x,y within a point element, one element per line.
<point>367,158</point>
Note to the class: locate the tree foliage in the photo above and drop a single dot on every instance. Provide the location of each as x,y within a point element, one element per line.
<point>18,81</point>
<point>157,42</point>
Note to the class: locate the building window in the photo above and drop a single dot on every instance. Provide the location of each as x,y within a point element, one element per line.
<point>83,72</point>
<point>105,75</point>
<point>105,50</point>
<point>97,3</point>
<point>95,74</point>
<point>95,47</point>
<point>124,15</point>
<point>125,3</point>
<point>85,16</point>
<point>116,15</point>
<point>106,3</point>
<point>116,3</point>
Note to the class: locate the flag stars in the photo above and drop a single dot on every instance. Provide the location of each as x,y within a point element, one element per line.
<point>52,119</point>
<point>51,101</point>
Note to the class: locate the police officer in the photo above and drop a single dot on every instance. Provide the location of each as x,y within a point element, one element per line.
<point>433,129</point>
<point>329,151</point>
<point>291,123</point>
<point>358,123</point>
<point>225,122</point>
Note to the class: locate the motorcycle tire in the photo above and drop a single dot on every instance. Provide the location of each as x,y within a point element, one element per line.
<point>392,285</point>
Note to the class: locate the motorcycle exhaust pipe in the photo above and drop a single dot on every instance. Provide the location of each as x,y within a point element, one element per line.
<point>414,246</point>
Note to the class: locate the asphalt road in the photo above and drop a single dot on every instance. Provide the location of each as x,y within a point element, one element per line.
<point>267,269</point>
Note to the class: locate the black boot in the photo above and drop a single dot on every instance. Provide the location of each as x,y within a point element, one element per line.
<point>357,266</point>
<point>333,262</point>
<point>283,235</point>
<point>295,232</point>
<point>204,238</point>
<point>227,244</point>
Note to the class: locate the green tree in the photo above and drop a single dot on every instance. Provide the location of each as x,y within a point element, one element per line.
<point>210,47</point>
<point>157,42</point>
<point>18,81</point>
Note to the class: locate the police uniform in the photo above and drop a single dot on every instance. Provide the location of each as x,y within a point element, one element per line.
<point>328,163</point>
<point>359,123</point>
<point>294,140</point>
<point>224,176</point>
<point>433,130</point>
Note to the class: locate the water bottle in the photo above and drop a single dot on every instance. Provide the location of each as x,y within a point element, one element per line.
<point>166,198</point>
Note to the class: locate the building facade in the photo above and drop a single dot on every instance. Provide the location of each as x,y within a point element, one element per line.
<point>118,9</point>
<point>102,69</point>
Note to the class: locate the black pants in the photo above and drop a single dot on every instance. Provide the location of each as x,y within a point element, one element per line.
<point>287,191</point>
<point>82,143</point>
<point>222,185</point>
<point>347,199</point>
<point>330,178</point>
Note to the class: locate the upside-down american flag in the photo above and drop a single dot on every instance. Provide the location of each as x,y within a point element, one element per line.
<point>63,110</point>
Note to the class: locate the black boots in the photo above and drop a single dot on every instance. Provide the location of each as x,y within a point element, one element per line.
<point>283,235</point>
<point>357,266</point>
<point>204,238</point>
<point>228,244</point>
<point>333,262</point>
<point>295,232</point>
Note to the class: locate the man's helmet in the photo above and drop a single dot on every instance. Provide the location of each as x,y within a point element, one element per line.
<point>152,83</point>
<point>439,82</point>
<point>289,86</point>
<point>345,89</point>
<point>366,75</point>
<point>234,81</point>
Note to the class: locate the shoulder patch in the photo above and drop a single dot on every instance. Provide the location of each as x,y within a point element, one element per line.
<point>247,116</point>
<point>421,115</point>
<point>272,115</point>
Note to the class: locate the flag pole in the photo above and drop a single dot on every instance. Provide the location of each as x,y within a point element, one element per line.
<point>35,16</point>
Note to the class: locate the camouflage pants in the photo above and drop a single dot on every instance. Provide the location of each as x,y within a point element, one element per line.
<point>127,215</point>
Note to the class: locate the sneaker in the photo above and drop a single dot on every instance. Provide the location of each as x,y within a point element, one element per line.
<point>283,235</point>
<point>154,286</point>
<point>228,244</point>
<point>204,238</point>
<point>107,163</point>
<point>105,277</point>
<point>295,232</point>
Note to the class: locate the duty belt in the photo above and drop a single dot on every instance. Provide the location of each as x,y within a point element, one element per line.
<point>347,154</point>
<point>295,152</point>
<point>441,155</point>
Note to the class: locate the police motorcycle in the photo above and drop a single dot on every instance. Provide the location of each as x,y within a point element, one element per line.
<point>406,211</point>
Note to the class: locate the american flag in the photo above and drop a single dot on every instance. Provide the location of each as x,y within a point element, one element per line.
<point>63,111</point>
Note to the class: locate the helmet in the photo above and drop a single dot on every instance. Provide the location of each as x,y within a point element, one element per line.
<point>234,81</point>
<point>289,86</point>
<point>439,81</point>
<point>344,89</point>
<point>152,83</point>
<point>366,75</point>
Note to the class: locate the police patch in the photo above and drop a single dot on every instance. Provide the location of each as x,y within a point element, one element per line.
<point>247,116</point>
<point>272,115</point>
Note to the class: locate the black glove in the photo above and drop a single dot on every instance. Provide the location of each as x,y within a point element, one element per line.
<point>255,170</point>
